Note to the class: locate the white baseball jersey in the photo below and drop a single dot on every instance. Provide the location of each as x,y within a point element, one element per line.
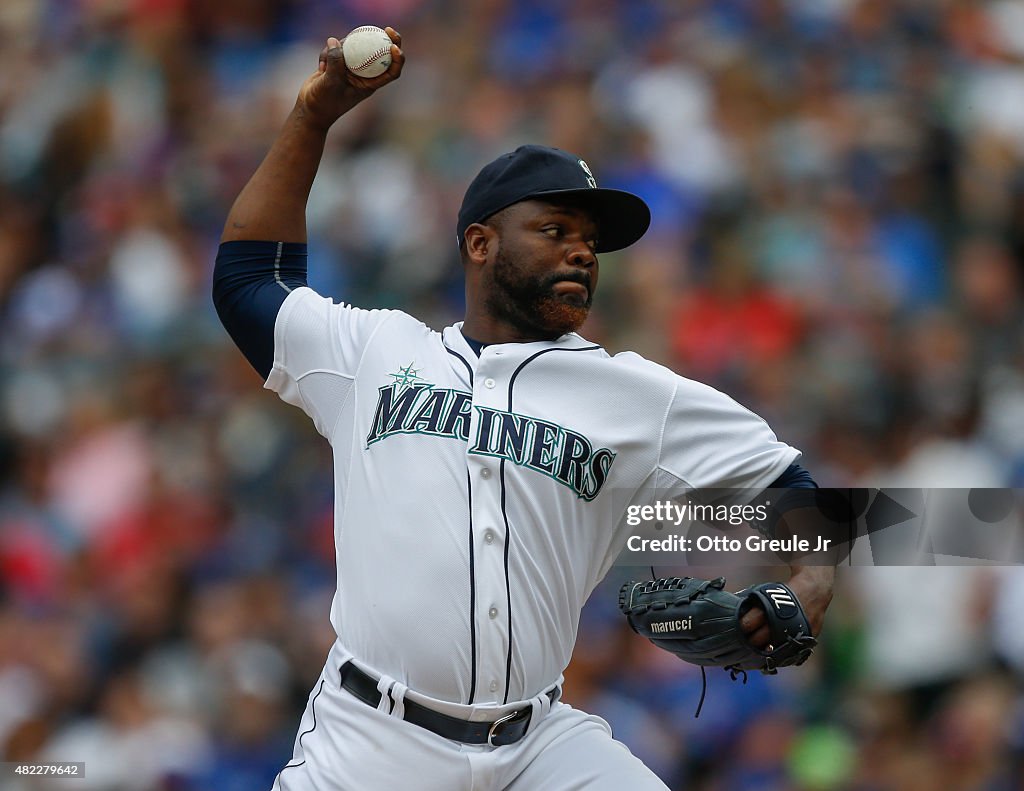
<point>471,493</point>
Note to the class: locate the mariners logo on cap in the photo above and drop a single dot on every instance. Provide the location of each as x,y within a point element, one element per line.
<point>590,176</point>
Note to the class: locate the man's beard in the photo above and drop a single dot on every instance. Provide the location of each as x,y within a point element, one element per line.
<point>530,304</point>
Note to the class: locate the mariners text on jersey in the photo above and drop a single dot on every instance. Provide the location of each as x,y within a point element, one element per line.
<point>565,455</point>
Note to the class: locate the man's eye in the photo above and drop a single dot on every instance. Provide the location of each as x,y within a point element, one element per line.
<point>592,244</point>
<point>552,230</point>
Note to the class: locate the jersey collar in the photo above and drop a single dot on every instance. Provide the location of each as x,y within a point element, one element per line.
<point>456,341</point>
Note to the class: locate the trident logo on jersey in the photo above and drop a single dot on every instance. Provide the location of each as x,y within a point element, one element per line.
<point>410,405</point>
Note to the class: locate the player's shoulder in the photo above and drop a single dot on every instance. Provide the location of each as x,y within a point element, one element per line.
<point>685,390</point>
<point>641,367</point>
<point>307,300</point>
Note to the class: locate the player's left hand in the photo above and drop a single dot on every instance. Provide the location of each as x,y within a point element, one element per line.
<point>700,622</point>
<point>813,587</point>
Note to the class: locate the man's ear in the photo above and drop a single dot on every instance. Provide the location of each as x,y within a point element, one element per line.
<point>479,239</point>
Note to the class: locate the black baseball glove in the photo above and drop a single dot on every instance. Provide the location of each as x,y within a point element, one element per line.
<point>699,621</point>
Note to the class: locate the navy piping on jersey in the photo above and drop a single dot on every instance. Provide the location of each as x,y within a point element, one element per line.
<point>312,708</point>
<point>251,280</point>
<point>504,513</point>
<point>454,353</point>
<point>472,551</point>
<point>472,591</point>
<point>508,581</point>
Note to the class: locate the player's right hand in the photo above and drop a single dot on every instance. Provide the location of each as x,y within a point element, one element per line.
<point>334,90</point>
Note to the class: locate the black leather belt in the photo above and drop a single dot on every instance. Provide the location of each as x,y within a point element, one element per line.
<point>505,730</point>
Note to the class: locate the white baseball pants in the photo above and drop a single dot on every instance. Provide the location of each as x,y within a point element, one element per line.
<point>345,745</point>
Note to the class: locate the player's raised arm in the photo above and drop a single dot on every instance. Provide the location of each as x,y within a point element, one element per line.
<point>272,206</point>
<point>262,256</point>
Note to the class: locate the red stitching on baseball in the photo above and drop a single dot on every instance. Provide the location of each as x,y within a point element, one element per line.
<point>372,58</point>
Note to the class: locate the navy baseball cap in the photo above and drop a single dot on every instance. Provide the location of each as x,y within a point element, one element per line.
<point>549,174</point>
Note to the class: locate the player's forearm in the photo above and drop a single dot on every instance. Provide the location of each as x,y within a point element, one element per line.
<point>813,586</point>
<point>812,575</point>
<point>272,206</point>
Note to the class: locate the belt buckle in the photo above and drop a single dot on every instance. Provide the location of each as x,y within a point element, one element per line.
<point>492,731</point>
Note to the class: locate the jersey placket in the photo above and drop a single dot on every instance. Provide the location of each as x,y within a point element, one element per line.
<point>490,536</point>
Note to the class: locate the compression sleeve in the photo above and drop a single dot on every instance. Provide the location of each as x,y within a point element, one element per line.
<point>795,477</point>
<point>250,281</point>
<point>801,494</point>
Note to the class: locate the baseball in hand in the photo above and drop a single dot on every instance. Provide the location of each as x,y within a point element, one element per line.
<point>367,51</point>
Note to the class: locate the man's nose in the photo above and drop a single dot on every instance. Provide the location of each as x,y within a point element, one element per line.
<point>582,256</point>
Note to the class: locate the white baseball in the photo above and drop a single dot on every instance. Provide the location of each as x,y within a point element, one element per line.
<point>367,51</point>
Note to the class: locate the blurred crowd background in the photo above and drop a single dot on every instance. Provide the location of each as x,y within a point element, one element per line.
<point>838,242</point>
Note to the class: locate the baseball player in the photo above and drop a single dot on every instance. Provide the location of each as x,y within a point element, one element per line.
<point>473,468</point>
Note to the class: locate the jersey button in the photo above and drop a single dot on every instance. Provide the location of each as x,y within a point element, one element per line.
<point>489,384</point>
<point>488,536</point>
<point>485,472</point>
<point>494,686</point>
<point>493,612</point>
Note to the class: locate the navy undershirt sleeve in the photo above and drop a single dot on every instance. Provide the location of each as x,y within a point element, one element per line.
<point>795,477</point>
<point>800,494</point>
<point>250,282</point>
